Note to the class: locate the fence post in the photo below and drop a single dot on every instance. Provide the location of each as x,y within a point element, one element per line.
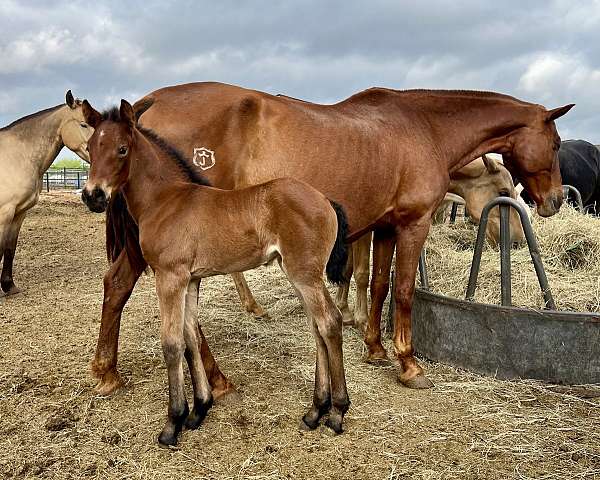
<point>78,180</point>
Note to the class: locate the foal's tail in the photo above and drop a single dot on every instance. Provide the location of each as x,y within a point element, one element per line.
<point>336,264</point>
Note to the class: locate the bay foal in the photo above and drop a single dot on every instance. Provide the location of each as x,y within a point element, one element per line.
<point>188,231</point>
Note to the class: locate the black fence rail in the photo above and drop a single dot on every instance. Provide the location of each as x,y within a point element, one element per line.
<point>65,178</point>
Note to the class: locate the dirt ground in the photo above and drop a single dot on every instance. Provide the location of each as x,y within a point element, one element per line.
<point>53,426</point>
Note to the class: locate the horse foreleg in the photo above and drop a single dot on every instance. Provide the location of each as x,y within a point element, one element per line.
<point>361,260</point>
<point>383,250</point>
<point>341,297</point>
<point>10,245</point>
<point>409,243</point>
<point>246,297</point>
<point>171,289</point>
<point>118,285</point>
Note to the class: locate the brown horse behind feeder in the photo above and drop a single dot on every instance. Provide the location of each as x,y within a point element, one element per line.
<point>189,231</point>
<point>385,155</point>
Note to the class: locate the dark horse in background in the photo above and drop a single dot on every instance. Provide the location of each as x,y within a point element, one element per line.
<point>580,168</point>
<point>385,155</point>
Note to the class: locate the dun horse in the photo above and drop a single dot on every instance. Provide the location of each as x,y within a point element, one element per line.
<point>191,231</point>
<point>28,147</point>
<point>386,155</point>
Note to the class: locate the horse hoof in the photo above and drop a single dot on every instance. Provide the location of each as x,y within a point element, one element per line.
<point>420,382</point>
<point>377,358</point>
<point>109,383</point>
<point>307,425</point>
<point>12,290</point>
<point>335,424</point>
<point>347,319</point>
<point>227,396</point>
<point>167,439</point>
<point>257,311</point>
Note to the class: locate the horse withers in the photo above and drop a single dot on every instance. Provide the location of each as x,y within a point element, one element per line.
<point>189,231</point>
<point>28,147</point>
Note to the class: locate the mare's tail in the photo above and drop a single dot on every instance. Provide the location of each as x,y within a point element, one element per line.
<point>336,265</point>
<point>122,234</point>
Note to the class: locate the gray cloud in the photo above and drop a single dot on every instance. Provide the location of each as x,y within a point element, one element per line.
<point>540,51</point>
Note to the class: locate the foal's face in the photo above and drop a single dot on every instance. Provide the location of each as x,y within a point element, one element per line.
<point>109,148</point>
<point>533,159</point>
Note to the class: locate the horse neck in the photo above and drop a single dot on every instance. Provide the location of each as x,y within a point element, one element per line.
<point>469,124</point>
<point>40,138</point>
<point>151,172</point>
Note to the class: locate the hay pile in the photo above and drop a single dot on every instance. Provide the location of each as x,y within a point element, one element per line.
<point>570,247</point>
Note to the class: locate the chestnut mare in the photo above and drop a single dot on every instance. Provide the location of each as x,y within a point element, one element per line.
<point>386,155</point>
<point>189,231</point>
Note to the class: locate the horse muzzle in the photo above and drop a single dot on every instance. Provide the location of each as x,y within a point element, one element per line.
<point>96,201</point>
<point>551,205</point>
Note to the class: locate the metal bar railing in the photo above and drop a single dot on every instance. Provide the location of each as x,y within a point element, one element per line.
<point>577,193</point>
<point>534,251</point>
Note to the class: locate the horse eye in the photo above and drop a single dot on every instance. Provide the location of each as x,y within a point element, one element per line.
<point>83,125</point>
<point>122,150</point>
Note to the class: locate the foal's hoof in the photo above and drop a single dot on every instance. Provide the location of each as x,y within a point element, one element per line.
<point>420,382</point>
<point>308,424</point>
<point>198,414</point>
<point>11,290</point>
<point>334,422</point>
<point>167,439</point>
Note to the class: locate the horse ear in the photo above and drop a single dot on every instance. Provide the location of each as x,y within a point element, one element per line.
<point>490,164</point>
<point>91,116</point>
<point>141,106</point>
<point>555,113</point>
<point>70,100</point>
<point>127,114</point>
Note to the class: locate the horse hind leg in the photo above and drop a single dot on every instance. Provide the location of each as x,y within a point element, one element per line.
<point>10,225</point>
<point>328,321</point>
<point>203,398</point>
<point>248,301</point>
<point>322,392</point>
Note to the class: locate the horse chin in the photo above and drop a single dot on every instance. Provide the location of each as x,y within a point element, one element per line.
<point>550,207</point>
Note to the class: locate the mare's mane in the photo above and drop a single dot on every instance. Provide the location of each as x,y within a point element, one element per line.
<point>31,117</point>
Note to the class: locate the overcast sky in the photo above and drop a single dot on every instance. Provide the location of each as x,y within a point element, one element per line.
<point>540,51</point>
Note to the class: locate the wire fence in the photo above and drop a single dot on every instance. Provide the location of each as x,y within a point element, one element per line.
<point>65,178</point>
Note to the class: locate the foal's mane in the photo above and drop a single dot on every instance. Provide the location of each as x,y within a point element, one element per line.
<point>31,116</point>
<point>114,115</point>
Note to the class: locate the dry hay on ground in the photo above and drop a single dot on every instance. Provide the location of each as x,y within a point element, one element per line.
<point>53,426</point>
<point>570,247</point>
